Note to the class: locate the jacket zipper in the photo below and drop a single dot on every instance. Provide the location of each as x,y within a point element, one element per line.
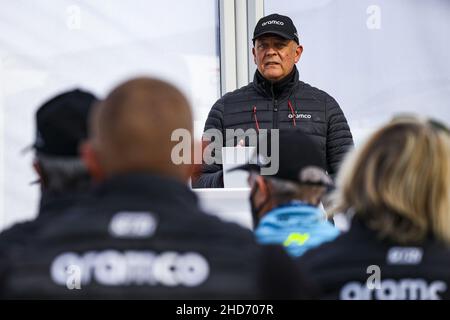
<point>275,109</point>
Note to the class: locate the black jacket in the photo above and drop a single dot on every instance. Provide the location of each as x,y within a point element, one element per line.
<point>143,236</point>
<point>50,204</point>
<point>265,105</point>
<point>344,268</point>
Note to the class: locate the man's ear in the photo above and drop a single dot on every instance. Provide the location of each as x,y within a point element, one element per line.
<point>90,159</point>
<point>263,196</point>
<point>194,168</point>
<point>298,53</point>
<point>38,169</point>
<point>262,186</point>
<point>254,54</point>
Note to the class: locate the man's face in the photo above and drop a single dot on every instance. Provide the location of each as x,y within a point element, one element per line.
<point>275,56</point>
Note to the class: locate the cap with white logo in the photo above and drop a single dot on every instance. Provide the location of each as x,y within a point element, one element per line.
<point>276,24</point>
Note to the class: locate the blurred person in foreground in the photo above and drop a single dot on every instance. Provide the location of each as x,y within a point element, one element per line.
<point>142,234</point>
<point>61,127</point>
<point>397,187</point>
<point>286,206</point>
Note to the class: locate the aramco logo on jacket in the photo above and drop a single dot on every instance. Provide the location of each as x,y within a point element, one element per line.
<point>117,268</point>
<point>299,116</point>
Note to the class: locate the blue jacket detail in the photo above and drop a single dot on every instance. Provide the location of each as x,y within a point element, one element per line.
<point>297,226</point>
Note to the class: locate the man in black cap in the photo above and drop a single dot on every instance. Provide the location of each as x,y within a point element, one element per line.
<point>285,206</point>
<point>61,125</point>
<point>276,99</point>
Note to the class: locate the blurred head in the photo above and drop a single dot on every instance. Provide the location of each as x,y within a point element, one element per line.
<point>268,193</point>
<point>276,47</point>
<point>61,127</point>
<point>301,173</point>
<point>130,131</point>
<point>399,182</point>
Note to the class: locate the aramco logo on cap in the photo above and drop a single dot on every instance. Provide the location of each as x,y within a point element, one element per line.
<point>280,23</point>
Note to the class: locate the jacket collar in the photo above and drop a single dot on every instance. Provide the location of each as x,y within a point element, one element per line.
<point>150,186</point>
<point>279,89</point>
<point>293,213</point>
<point>52,202</point>
<point>360,230</point>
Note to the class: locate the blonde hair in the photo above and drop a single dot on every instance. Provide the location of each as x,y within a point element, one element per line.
<point>398,183</point>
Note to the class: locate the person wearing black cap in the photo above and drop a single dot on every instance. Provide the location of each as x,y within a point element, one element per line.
<point>61,126</point>
<point>285,206</point>
<point>277,99</point>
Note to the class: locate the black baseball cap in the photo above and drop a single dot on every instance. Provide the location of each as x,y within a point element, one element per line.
<point>276,24</point>
<point>61,123</point>
<point>300,159</point>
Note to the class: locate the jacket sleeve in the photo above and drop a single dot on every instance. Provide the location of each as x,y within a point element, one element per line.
<point>339,137</point>
<point>211,175</point>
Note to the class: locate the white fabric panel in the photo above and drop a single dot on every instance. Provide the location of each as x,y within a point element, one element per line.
<point>376,58</point>
<point>48,46</point>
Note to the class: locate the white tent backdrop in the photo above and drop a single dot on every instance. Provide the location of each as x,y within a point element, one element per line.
<point>376,58</point>
<point>48,46</point>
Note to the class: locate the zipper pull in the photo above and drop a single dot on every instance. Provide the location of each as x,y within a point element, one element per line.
<point>255,118</point>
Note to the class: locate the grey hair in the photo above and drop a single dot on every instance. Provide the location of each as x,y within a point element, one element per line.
<point>283,188</point>
<point>61,174</point>
<point>285,191</point>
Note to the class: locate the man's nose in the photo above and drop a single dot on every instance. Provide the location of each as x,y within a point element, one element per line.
<point>271,51</point>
